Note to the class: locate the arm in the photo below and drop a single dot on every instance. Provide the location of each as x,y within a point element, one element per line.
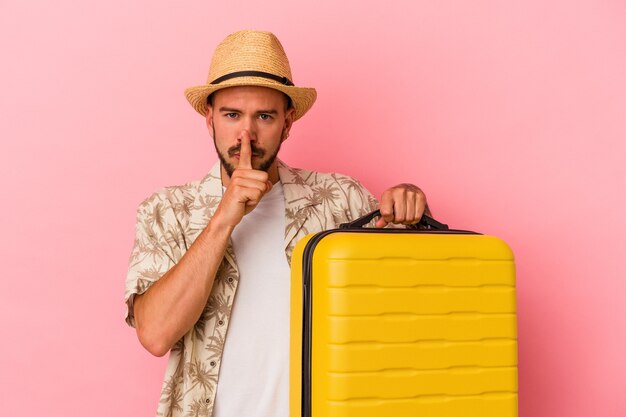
<point>173,304</point>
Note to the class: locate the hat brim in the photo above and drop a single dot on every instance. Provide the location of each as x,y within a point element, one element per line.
<point>302,98</point>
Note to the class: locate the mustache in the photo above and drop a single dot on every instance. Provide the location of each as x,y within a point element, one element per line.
<point>232,151</point>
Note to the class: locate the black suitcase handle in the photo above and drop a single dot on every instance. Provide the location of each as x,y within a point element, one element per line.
<point>426,222</point>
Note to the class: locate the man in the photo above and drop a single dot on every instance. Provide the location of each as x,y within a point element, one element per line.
<point>208,278</point>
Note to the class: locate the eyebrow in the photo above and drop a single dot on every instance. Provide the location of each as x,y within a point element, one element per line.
<point>229,110</point>
<point>232,110</point>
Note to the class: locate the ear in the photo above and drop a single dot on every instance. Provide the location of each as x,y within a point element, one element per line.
<point>289,116</point>
<point>209,119</point>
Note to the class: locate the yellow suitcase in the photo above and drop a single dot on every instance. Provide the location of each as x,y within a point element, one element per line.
<point>402,323</point>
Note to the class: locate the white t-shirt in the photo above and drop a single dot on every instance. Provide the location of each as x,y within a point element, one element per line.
<point>254,374</point>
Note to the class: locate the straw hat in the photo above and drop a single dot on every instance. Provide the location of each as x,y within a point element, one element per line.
<point>251,58</point>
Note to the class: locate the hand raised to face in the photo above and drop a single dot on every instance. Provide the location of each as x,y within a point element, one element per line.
<point>246,188</point>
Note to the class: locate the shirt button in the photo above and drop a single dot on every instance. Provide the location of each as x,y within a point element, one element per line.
<point>212,363</point>
<point>221,322</point>
<point>230,279</point>
<point>208,401</point>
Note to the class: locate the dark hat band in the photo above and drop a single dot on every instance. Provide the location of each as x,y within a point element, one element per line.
<point>282,80</point>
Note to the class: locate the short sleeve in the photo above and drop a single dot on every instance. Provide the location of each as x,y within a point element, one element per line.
<point>362,202</point>
<point>359,201</point>
<point>159,244</point>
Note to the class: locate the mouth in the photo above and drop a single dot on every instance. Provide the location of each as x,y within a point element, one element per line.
<point>236,154</point>
<point>256,152</point>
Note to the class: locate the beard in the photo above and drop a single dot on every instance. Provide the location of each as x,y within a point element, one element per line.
<point>264,165</point>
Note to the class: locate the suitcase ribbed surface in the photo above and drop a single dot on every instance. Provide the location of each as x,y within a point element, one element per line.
<point>410,324</point>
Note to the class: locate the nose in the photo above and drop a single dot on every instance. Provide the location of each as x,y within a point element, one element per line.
<point>249,130</point>
<point>246,132</point>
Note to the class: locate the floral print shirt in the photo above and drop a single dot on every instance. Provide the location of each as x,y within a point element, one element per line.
<point>169,221</point>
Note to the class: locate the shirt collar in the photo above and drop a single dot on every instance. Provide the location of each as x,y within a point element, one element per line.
<point>298,193</point>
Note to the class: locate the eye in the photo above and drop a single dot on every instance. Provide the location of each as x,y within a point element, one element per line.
<point>231,115</point>
<point>265,116</point>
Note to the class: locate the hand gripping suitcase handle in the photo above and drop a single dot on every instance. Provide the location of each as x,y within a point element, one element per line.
<point>426,222</point>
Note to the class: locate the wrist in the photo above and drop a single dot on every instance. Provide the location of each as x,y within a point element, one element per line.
<point>220,223</point>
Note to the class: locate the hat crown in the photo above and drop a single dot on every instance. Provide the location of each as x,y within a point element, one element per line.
<point>249,50</point>
<point>251,58</point>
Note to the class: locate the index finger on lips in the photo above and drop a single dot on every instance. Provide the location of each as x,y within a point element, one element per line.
<point>245,153</point>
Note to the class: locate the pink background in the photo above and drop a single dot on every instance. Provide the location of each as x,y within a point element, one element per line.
<point>510,115</point>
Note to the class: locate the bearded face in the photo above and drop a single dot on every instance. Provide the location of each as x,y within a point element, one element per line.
<point>262,114</point>
<point>262,159</point>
